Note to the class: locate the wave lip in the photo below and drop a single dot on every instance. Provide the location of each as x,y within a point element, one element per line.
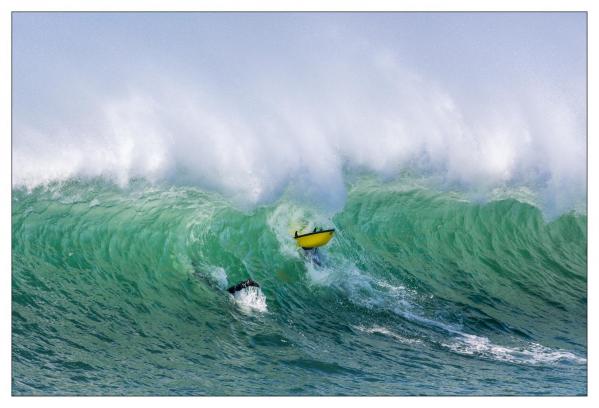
<point>303,135</point>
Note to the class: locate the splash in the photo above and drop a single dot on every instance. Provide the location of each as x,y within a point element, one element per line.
<point>364,108</point>
<point>250,299</point>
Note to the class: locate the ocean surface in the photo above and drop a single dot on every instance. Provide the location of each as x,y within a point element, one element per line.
<point>121,290</point>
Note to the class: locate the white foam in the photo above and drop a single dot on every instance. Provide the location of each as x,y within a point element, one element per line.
<point>532,353</point>
<point>288,218</point>
<point>215,275</point>
<point>300,134</point>
<point>367,291</point>
<point>384,331</point>
<point>361,288</point>
<point>218,275</point>
<point>250,299</point>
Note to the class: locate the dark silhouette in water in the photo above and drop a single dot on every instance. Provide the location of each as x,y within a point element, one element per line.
<point>242,285</point>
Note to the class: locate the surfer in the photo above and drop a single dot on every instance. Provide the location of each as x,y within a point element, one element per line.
<point>242,285</point>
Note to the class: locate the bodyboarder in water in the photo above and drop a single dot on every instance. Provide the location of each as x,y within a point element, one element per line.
<point>242,285</point>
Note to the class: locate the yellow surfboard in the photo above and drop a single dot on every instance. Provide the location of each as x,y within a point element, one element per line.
<point>314,239</point>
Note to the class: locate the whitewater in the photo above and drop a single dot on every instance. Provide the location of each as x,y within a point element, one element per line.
<point>146,180</point>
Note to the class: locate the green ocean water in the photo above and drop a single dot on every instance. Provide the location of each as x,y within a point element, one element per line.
<point>120,291</point>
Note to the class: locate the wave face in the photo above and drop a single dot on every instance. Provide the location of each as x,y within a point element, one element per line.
<point>120,291</point>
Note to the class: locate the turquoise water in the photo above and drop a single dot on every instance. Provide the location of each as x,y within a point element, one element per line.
<point>120,291</point>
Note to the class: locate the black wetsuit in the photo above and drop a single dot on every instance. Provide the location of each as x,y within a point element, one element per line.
<point>242,285</point>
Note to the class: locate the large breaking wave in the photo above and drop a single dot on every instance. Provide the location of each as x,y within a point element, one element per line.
<point>253,132</point>
<point>136,276</point>
<point>148,175</point>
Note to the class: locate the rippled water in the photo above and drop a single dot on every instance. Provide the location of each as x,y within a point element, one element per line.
<point>121,292</point>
